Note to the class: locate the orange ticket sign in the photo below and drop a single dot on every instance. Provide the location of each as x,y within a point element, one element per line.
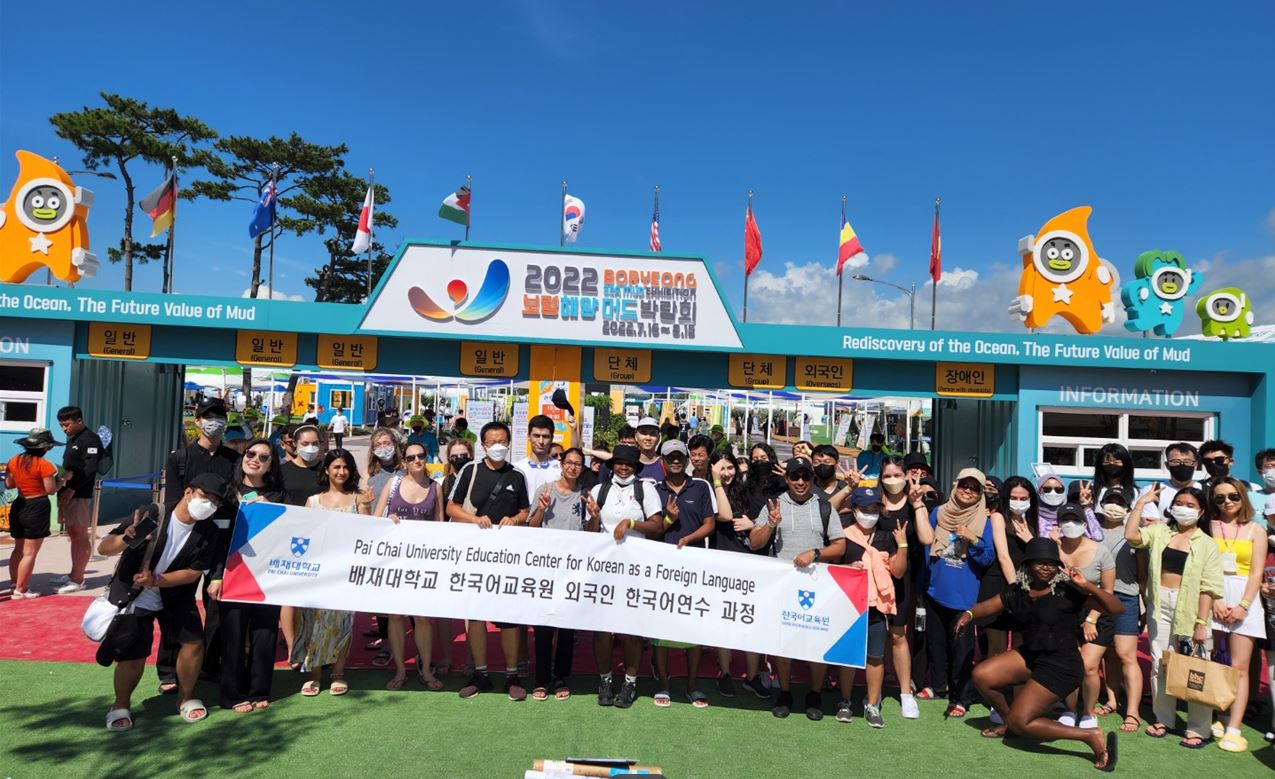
<point>758,371</point>
<point>265,347</point>
<point>622,366</point>
<point>823,374</point>
<point>488,360</point>
<point>964,379</point>
<point>119,342</point>
<point>347,352</point>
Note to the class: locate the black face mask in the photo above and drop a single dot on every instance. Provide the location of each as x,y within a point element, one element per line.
<point>876,447</point>
<point>459,462</point>
<point>1112,470</point>
<point>825,471</point>
<point>1217,470</point>
<point>760,467</point>
<point>1181,472</point>
<point>931,501</point>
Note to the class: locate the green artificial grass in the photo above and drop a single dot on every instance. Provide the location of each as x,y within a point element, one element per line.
<point>52,718</point>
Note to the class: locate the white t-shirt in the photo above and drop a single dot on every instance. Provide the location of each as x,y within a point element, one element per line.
<point>178,532</point>
<point>1167,493</point>
<point>339,423</point>
<point>538,474</point>
<point>621,505</point>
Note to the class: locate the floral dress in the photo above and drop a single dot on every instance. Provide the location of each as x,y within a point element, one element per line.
<point>323,634</point>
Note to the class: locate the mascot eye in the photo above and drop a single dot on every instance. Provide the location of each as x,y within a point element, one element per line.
<point>37,201</point>
<point>1051,253</point>
<point>55,202</point>
<point>1067,254</point>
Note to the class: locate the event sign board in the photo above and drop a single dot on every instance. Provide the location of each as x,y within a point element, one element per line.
<point>964,379</point>
<point>126,342</point>
<point>551,296</point>
<point>488,360</point>
<point>823,374</point>
<point>622,366</point>
<point>757,371</point>
<point>263,347</point>
<point>347,352</point>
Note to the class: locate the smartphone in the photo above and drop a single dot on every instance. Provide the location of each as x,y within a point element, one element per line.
<point>249,496</point>
<point>144,527</point>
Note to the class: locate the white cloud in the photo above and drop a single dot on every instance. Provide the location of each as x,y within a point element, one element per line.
<point>882,264</point>
<point>263,291</point>
<point>1270,222</point>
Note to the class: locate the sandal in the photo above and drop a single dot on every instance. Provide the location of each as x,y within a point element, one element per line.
<point>1128,727</point>
<point>115,717</point>
<point>539,694</point>
<point>397,682</point>
<point>1103,709</point>
<point>167,688</point>
<point>430,683</point>
<point>995,731</point>
<point>373,646</point>
<point>338,686</point>
<point>310,689</point>
<point>189,708</point>
<point>1108,757</point>
<point>1156,730</point>
<point>259,705</point>
<point>561,691</point>
<point>662,699</point>
<point>382,658</point>
<point>955,711</point>
<point>1192,741</point>
<point>698,699</point>
<point>1233,742</point>
<point>928,694</point>
<point>243,707</point>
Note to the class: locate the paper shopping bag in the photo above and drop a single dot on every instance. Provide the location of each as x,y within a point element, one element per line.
<point>1199,680</point>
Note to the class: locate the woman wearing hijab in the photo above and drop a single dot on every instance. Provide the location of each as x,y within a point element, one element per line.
<point>1052,494</point>
<point>959,551</point>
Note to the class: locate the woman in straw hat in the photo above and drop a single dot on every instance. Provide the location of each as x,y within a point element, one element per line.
<point>35,479</point>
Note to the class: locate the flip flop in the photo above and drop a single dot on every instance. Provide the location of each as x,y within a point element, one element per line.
<point>1103,709</point>
<point>167,688</point>
<point>698,699</point>
<point>1157,730</point>
<point>662,699</point>
<point>243,707</point>
<point>194,704</point>
<point>1124,726</point>
<point>1113,749</point>
<point>261,705</point>
<point>310,689</point>
<point>1203,742</point>
<point>995,731</point>
<point>430,684</point>
<point>396,683</point>
<point>116,716</point>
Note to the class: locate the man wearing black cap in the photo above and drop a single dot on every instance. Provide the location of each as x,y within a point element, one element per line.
<point>75,497</point>
<point>915,464</point>
<point>159,583</point>
<point>207,454</point>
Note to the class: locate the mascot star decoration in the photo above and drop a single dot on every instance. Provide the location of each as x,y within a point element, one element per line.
<point>43,224</point>
<point>1064,276</point>
<point>1156,298</point>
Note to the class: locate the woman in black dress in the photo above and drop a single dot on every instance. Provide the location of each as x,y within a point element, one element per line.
<point>1049,602</point>
<point>1012,527</point>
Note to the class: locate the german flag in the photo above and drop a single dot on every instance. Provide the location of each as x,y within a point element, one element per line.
<point>161,205</point>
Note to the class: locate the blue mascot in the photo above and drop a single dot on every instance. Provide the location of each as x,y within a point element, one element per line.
<point>1155,298</point>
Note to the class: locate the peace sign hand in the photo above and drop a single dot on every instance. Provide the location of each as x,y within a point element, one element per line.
<point>671,508</point>
<point>901,533</point>
<point>915,498</point>
<point>775,516</point>
<point>595,511</point>
<point>1086,493</point>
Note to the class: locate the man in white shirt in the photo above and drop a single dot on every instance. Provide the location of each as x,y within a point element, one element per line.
<point>626,506</point>
<point>539,468</point>
<point>1181,460</point>
<point>338,425</point>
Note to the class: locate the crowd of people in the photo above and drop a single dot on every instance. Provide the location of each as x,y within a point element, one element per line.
<point>1049,583</point>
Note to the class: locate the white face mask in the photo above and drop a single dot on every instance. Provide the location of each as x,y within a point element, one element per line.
<point>201,508</point>
<point>1268,478</point>
<point>866,520</point>
<point>213,428</point>
<point>308,453</point>
<point>497,453</point>
<point>1184,515</point>
<point>1053,498</point>
<point>1019,507</point>
<point>1115,512</point>
<point>623,481</point>
<point>1071,529</point>
<point>384,453</point>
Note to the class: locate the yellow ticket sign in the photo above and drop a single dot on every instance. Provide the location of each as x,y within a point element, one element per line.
<point>622,366</point>
<point>823,374</point>
<point>964,379</point>
<point>347,352</point>
<point>491,360</point>
<point>123,342</point>
<point>758,371</point>
<point>265,347</point>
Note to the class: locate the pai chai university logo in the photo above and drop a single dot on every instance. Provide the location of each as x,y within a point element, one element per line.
<point>491,295</point>
<point>300,546</point>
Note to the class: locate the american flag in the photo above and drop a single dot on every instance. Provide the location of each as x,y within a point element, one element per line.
<point>655,228</point>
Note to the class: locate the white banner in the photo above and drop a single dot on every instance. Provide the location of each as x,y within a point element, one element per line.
<point>575,296</point>
<point>532,576</point>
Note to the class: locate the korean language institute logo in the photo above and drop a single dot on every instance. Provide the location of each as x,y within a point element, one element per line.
<point>806,598</point>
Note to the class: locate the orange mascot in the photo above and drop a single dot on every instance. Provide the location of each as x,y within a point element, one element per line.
<point>42,225</point>
<point>1064,276</point>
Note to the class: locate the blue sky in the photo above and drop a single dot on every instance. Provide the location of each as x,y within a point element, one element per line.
<point>1158,115</point>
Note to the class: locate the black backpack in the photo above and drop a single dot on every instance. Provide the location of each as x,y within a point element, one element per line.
<point>825,516</point>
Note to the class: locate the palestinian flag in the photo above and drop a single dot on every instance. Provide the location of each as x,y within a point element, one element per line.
<point>161,205</point>
<point>455,207</point>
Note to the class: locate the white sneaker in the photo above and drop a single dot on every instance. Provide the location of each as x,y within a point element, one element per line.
<point>910,709</point>
<point>23,594</point>
<point>70,587</point>
<point>1067,718</point>
<point>1088,721</point>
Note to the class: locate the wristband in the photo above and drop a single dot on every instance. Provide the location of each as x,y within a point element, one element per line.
<point>970,613</point>
<point>1246,603</point>
<point>772,525</point>
<point>1091,620</point>
<point>1199,621</point>
<point>215,581</point>
<point>632,524</point>
<point>717,483</point>
<point>668,520</point>
<point>903,546</point>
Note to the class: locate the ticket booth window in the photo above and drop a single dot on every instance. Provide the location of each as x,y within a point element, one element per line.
<point>1070,438</point>
<point>342,399</point>
<point>23,391</point>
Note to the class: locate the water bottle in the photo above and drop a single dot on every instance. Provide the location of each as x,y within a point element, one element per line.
<point>919,624</point>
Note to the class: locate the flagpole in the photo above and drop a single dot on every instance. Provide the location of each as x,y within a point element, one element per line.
<point>841,280</point>
<point>168,259</point>
<point>746,273</point>
<point>469,217</point>
<point>934,289</point>
<point>274,208</point>
<point>562,216</point>
<point>657,209</point>
<point>371,174</point>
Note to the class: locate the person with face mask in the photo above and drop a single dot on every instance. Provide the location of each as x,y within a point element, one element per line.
<point>1051,494</point>
<point>1181,460</point>
<point>423,433</point>
<point>459,454</point>
<point>161,586</point>
<point>1011,530</point>
<point>1113,510</point>
<point>301,471</point>
<point>487,493</point>
<point>1217,457</point>
<point>1184,578</point>
<point>1264,499</point>
<point>207,454</point>
<point>880,547</point>
<point>384,458</point>
<point>902,505</point>
<point>1113,471</point>
<point>1095,563</point>
<point>828,478</point>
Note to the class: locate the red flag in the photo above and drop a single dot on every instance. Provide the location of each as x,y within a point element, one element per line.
<point>752,243</point>
<point>936,249</point>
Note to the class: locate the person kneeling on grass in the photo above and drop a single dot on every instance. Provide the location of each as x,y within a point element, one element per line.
<point>1050,603</point>
<point>157,579</point>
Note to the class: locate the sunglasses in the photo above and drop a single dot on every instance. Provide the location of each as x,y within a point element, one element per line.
<point>1219,460</point>
<point>411,458</point>
<point>256,457</point>
<point>969,487</point>
<point>1232,498</point>
<point>1052,490</point>
<point>804,476</point>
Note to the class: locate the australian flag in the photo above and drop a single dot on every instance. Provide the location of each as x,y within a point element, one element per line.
<point>263,216</point>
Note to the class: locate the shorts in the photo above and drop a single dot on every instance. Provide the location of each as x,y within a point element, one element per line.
<point>1126,624</point>
<point>180,624</point>
<point>876,634</point>
<point>1059,672</point>
<point>30,517</point>
<point>902,616</point>
<point>1254,624</point>
<point>1106,632</point>
<point>78,512</point>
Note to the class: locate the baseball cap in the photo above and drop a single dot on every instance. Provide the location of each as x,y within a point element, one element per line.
<point>865,496</point>
<point>1073,510</point>
<point>215,407</point>
<point>797,465</point>
<point>626,453</point>
<point>209,484</point>
<point>647,422</point>
<point>674,447</point>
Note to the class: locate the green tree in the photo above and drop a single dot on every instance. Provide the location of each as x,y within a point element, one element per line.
<point>122,132</point>
<point>331,205</point>
<point>246,165</point>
